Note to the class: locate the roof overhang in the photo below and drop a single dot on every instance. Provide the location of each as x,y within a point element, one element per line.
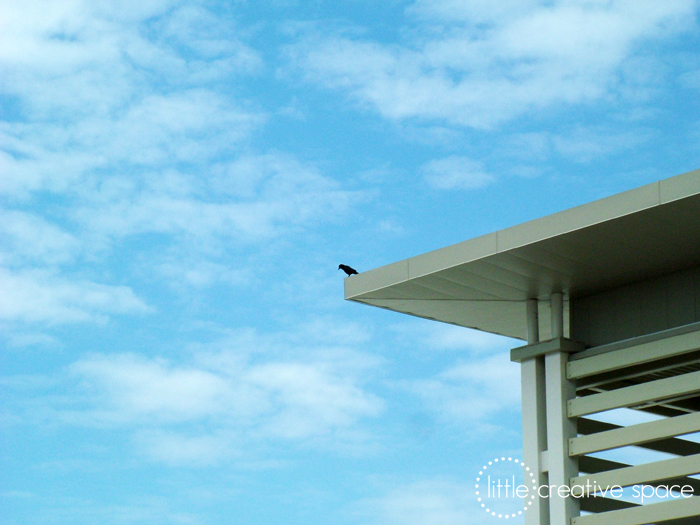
<point>483,283</point>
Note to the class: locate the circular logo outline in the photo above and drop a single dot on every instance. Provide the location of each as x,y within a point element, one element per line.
<point>527,471</point>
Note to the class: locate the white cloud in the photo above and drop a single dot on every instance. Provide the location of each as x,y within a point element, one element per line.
<point>456,173</point>
<point>40,296</point>
<point>32,158</point>
<point>314,398</point>
<point>188,126</point>
<point>584,145</point>
<point>92,57</point>
<point>213,38</point>
<point>127,121</point>
<point>451,337</point>
<point>473,11</point>
<point>577,143</point>
<point>137,389</point>
<point>480,387</point>
<point>24,339</point>
<point>98,90</point>
<point>157,131</point>
<point>474,393</point>
<point>442,336</point>
<point>25,237</point>
<point>175,448</point>
<point>250,389</point>
<point>196,272</point>
<point>494,61</point>
<point>251,199</point>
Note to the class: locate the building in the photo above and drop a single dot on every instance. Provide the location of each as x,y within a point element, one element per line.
<point>607,297</point>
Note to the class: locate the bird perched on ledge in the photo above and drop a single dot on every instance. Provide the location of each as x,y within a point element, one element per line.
<point>347,269</point>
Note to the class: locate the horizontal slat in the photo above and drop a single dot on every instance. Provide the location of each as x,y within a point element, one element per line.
<point>635,395</point>
<point>689,362</point>
<point>638,340</point>
<point>634,355</point>
<point>655,513</point>
<point>642,474</point>
<point>635,434</point>
<point>591,465</point>
<point>675,446</point>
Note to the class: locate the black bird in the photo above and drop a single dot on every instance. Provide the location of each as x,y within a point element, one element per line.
<point>347,269</point>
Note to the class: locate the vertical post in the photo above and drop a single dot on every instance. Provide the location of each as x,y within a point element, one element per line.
<point>534,415</point>
<point>557,302</point>
<point>546,426</point>
<point>532,375</point>
<point>533,321</point>
<point>559,427</point>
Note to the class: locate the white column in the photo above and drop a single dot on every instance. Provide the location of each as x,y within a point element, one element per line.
<point>533,321</point>
<point>534,433</point>
<point>557,303</point>
<point>559,429</point>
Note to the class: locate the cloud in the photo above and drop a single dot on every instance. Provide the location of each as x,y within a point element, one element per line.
<point>473,393</point>
<point>584,145</point>
<point>28,238</point>
<point>451,337</point>
<point>313,398</point>
<point>93,57</point>
<point>126,118</point>
<point>473,11</point>
<point>155,132</point>
<point>250,199</point>
<point>175,448</point>
<point>442,336</point>
<point>480,386</point>
<point>96,88</point>
<point>40,296</point>
<point>300,399</point>
<point>188,126</point>
<point>488,63</point>
<point>135,388</point>
<point>196,272</point>
<point>23,339</point>
<point>247,390</point>
<point>456,173</point>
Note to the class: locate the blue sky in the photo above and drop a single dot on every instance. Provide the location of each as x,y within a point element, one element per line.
<point>179,182</point>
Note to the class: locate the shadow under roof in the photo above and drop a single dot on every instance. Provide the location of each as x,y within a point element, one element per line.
<point>483,283</point>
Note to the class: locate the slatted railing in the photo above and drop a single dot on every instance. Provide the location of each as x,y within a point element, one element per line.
<point>660,375</point>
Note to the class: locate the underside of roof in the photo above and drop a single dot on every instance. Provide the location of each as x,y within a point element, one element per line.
<point>483,283</point>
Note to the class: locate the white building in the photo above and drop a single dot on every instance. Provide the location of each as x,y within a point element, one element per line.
<point>607,296</point>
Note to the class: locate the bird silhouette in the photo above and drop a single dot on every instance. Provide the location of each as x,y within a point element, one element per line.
<point>347,269</point>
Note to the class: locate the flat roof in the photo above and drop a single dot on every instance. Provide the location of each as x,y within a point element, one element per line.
<point>483,283</point>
